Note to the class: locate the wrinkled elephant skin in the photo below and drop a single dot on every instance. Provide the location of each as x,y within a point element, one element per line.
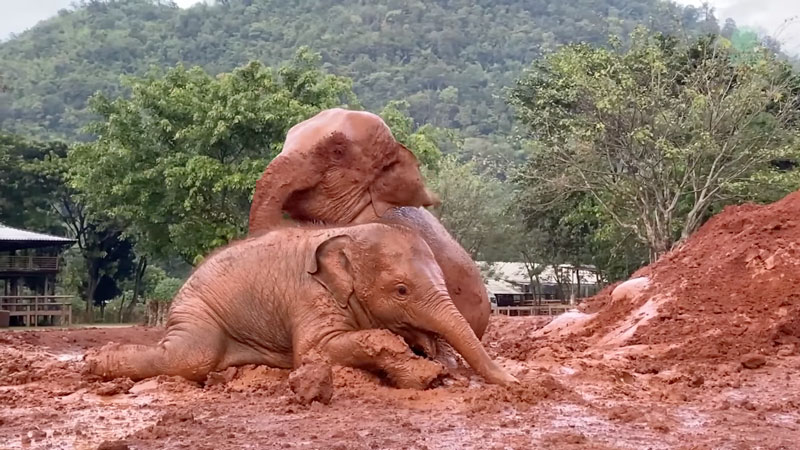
<point>345,293</point>
<point>310,182</point>
<point>334,167</point>
<point>463,279</point>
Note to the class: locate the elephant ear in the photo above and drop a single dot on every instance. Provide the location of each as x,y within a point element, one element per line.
<point>331,267</point>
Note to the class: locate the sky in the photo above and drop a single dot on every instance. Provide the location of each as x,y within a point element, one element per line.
<point>767,16</point>
<point>778,18</point>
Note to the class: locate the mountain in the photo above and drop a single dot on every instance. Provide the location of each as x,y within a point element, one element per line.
<point>450,59</point>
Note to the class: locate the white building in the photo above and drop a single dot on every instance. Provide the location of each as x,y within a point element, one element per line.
<point>509,283</point>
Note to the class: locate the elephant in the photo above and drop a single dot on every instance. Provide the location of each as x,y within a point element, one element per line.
<point>461,275</point>
<point>334,167</point>
<point>351,294</point>
<point>309,182</point>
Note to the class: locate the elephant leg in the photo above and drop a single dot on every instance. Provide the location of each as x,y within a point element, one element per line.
<point>184,355</point>
<point>240,354</point>
<point>384,351</point>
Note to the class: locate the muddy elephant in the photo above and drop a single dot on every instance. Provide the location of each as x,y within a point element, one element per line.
<point>335,167</point>
<point>461,275</point>
<point>350,294</point>
<point>309,181</point>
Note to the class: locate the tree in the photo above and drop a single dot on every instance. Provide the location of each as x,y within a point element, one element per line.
<point>179,158</point>
<point>448,58</point>
<point>473,208</point>
<point>36,194</point>
<point>657,135</point>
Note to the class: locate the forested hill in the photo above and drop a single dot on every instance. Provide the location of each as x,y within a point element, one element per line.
<point>449,59</point>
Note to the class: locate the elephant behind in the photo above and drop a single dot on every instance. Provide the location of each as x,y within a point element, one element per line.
<point>344,167</point>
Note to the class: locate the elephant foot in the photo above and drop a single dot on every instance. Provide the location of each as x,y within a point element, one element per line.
<point>312,381</point>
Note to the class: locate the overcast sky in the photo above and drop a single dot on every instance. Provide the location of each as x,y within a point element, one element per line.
<point>768,16</point>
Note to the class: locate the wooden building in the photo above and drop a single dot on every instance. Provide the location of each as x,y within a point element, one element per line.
<point>29,264</point>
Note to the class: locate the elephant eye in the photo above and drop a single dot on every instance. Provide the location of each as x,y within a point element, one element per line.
<point>402,289</point>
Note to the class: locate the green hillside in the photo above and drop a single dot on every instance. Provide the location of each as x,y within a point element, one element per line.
<point>450,59</point>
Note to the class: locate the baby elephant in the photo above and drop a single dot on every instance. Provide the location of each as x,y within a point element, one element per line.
<point>347,293</point>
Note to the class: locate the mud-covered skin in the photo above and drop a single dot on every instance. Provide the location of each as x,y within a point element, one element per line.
<point>334,167</point>
<point>461,274</point>
<point>271,298</point>
<point>344,167</point>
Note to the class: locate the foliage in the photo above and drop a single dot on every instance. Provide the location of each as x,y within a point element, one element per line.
<point>36,195</point>
<point>447,58</point>
<point>473,208</point>
<point>179,159</point>
<point>166,288</point>
<point>657,135</point>
<point>26,197</point>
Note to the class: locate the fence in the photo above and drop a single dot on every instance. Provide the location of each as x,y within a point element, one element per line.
<point>33,307</point>
<point>533,310</point>
<point>28,263</point>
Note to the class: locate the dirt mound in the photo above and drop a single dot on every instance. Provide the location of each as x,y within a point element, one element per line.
<point>732,289</point>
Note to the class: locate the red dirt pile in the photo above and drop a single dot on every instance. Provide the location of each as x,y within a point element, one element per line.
<point>732,289</point>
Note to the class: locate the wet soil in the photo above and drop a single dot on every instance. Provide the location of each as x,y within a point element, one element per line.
<point>570,398</point>
<point>706,355</point>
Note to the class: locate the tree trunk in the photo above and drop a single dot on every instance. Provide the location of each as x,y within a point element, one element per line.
<point>156,312</point>
<point>91,288</point>
<point>137,287</point>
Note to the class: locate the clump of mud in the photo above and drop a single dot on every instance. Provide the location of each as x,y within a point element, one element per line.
<point>732,289</point>
<point>312,381</point>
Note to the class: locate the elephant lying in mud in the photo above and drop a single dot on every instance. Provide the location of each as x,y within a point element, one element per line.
<point>344,167</point>
<point>347,293</point>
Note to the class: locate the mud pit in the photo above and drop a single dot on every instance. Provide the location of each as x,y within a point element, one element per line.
<point>704,356</point>
<point>568,399</point>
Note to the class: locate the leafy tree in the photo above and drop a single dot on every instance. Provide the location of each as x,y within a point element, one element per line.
<point>179,159</point>
<point>658,134</point>
<point>36,195</point>
<point>448,58</point>
<point>473,208</point>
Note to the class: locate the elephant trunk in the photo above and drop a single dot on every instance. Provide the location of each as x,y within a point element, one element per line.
<point>448,322</point>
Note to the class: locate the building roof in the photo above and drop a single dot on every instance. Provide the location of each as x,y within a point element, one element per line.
<point>501,287</point>
<point>15,239</point>
<point>516,273</point>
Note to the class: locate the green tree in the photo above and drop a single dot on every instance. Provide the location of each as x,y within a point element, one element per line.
<point>178,159</point>
<point>474,208</point>
<point>448,58</point>
<point>657,135</point>
<point>36,195</point>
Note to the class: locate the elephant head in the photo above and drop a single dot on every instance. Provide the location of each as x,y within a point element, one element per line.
<point>339,167</point>
<point>386,277</point>
<point>400,184</point>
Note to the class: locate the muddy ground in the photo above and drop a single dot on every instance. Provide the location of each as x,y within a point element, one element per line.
<point>570,398</point>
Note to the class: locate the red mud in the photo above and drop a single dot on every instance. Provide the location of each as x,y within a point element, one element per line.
<point>706,357</point>
<point>567,399</point>
<point>732,289</point>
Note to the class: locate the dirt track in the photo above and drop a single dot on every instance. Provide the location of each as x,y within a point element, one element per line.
<point>569,399</point>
